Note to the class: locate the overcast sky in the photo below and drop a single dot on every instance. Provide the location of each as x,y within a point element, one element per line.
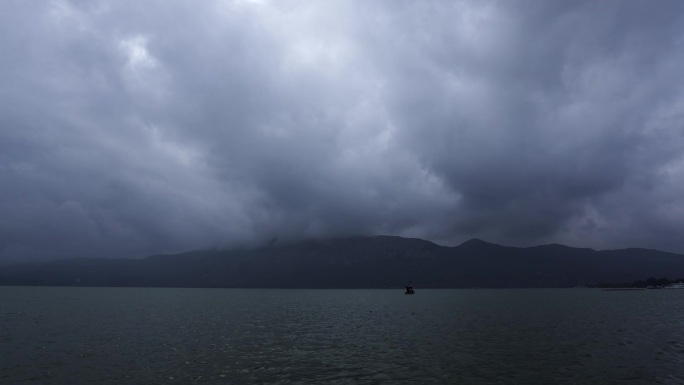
<point>136,127</point>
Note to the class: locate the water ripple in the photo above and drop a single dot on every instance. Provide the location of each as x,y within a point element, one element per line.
<point>193,336</point>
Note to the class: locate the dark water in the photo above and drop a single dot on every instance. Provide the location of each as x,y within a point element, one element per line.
<point>217,336</point>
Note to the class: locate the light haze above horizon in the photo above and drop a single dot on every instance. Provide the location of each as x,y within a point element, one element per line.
<point>133,128</point>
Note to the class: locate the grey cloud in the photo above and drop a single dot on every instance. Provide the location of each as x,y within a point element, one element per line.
<point>129,129</point>
<point>529,153</point>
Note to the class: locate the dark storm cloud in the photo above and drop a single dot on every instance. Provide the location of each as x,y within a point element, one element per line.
<point>128,129</point>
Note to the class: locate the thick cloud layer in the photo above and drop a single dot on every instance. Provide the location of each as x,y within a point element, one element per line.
<point>129,128</point>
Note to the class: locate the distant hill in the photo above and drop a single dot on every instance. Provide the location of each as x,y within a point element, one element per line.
<point>359,262</point>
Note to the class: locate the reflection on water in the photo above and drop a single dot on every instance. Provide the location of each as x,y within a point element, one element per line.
<point>225,336</point>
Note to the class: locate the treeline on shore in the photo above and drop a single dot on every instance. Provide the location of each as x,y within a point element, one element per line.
<point>650,282</point>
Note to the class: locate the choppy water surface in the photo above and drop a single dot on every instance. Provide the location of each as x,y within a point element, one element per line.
<point>232,336</point>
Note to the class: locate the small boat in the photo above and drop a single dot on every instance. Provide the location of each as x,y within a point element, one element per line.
<point>409,289</point>
<point>678,285</point>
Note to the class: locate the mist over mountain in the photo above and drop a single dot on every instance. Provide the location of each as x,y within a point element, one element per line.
<point>359,262</point>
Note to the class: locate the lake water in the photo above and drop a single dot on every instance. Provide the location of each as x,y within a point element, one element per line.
<point>232,336</point>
